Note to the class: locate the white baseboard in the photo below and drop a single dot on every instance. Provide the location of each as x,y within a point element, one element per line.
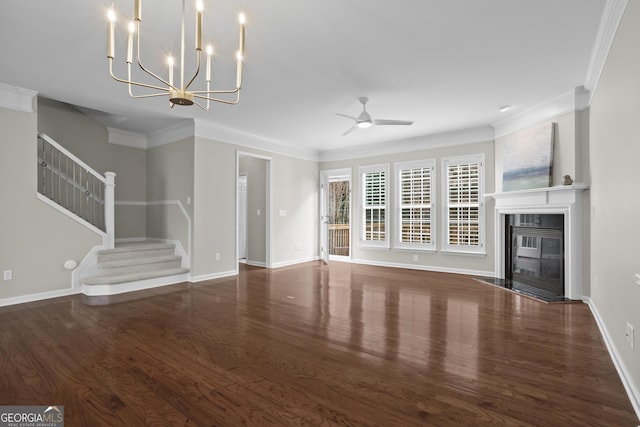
<point>138,285</point>
<point>202,278</point>
<point>293,262</point>
<point>37,297</point>
<point>625,377</point>
<point>255,263</point>
<point>425,268</point>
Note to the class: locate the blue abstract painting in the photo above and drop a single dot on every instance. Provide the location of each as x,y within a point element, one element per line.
<point>527,158</point>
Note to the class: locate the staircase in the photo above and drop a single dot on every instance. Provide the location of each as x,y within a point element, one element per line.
<point>130,267</point>
<point>72,187</point>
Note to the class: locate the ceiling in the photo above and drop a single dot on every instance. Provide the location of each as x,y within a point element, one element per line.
<point>447,65</point>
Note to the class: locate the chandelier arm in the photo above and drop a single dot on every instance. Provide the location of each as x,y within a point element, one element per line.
<point>118,79</point>
<point>205,92</point>
<point>224,101</point>
<point>130,84</point>
<point>142,67</point>
<point>201,106</point>
<point>198,56</point>
<point>149,95</point>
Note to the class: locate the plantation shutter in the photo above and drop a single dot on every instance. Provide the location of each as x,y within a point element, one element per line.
<point>464,203</point>
<point>374,206</point>
<point>416,205</point>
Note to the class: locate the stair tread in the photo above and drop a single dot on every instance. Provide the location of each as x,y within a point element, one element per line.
<point>138,261</point>
<point>137,247</point>
<point>132,277</point>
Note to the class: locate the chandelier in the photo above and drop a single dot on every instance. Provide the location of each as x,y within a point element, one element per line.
<point>179,93</point>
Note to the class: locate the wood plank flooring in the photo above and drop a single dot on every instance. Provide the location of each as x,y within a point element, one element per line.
<point>313,345</point>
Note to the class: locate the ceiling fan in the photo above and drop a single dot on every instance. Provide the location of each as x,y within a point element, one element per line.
<point>364,120</point>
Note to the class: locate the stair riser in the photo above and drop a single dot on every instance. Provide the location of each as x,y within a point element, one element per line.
<point>140,268</point>
<point>147,253</point>
<point>137,261</point>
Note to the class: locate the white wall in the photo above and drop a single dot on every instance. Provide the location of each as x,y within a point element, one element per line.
<point>615,195</point>
<point>438,261</point>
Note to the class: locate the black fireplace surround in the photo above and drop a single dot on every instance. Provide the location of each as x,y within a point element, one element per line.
<point>534,255</point>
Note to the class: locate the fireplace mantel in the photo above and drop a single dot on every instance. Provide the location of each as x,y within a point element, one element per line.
<point>565,200</point>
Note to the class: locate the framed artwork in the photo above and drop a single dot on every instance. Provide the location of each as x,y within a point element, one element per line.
<point>528,158</point>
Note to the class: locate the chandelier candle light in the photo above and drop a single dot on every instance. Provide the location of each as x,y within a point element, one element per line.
<point>179,93</point>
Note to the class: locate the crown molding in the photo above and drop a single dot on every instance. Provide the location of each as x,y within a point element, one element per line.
<point>569,102</point>
<point>425,142</point>
<point>611,17</point>
<point>16,98</point>
<point>183,130</point>
<point>205,129</point>
<point>127,138</point>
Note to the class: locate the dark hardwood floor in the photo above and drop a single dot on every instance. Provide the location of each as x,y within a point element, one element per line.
<point>313,345</point>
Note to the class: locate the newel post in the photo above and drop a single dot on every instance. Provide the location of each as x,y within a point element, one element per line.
<point>109,210</point>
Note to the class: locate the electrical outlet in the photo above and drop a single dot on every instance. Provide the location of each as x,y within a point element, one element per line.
<point>8,275</point>
<point>638,279</point>
<point>630,337</point>
<point>217,256</point>
<point>297,247</point>
<point>415,258</point>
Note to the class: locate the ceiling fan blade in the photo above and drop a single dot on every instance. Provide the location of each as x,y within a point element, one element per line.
<point>392,122</point>
<point>348,117</point>
<point>348,131</point>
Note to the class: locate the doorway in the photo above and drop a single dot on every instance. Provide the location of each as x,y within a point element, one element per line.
<point>335,214</point>
<point>253,207</point>
<point>242,218</point>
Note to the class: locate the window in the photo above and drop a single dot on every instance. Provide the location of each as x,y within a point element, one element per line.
<point>375,219</point>
<point>415,211</point>
<point>463,205</point>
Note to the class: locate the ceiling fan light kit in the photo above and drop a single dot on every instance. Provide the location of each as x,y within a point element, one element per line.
<point>364,120</point>
<point>179,93</point>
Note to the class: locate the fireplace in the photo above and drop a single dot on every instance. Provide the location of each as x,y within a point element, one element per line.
<point>539,239</point>
<point>534,254</point>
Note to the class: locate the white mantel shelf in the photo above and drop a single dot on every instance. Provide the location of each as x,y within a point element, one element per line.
<point>565,200</point>
<point>537,191</point>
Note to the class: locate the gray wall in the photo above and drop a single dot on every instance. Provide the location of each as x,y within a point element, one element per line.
<point>89,141</point>
<point>170,178</point>
<point>615,204</point>
<point>36,239</point>
<point>294,188</point>
<point>429,260</point>
<point>570,149</point>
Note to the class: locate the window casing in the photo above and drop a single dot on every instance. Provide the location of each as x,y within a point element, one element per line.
<point>463,204</point>
<point>375,216</point>
<point>415,205</point>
